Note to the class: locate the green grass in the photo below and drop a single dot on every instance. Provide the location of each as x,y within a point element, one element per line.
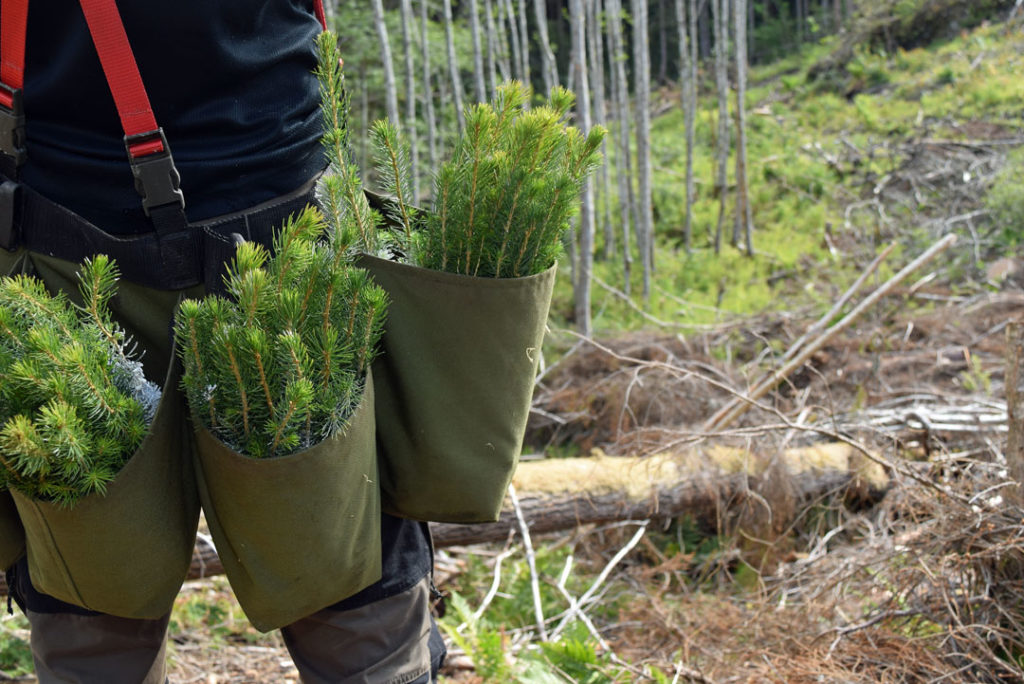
<point>794,128</point>
<point>15,652</point>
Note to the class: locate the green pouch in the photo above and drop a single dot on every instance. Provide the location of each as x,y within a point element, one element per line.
<point>299,532</point>
<point>454,387</point>
<point>125,553</point>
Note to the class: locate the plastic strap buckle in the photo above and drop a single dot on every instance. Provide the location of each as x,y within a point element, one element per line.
<point>12,124</point>
<point>156,178</point>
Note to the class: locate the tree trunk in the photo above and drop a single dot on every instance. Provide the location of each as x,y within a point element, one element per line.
<point>662,44</point>
<point>642,77</point>
<point>720,11</point>
<point>453,65</point>
<point>688,92</point>
<point>390,87</point>
<point>623,163</point>
<point>565,493</point>
<point>478,52</point>
<point>744,212</point>
<point>428,90</point>
<point>595,57</point>
<point>548,68</point>
<point>493,49</point>
<point>410,98</point>
<point>513,33</point>
<point>562,494</point>
<point>581,289</point>
<point>524,37</point>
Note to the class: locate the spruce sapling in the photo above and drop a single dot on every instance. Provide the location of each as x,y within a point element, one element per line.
<point>74,404</point>
<point>340,189</point>
<point>504,199</point>
<point>280,363</point>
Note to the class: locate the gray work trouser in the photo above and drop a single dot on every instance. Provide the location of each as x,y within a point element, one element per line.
<point>391,641</point>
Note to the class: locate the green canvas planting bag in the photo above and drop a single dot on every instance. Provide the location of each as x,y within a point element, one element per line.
<point>125,553</point>
<point>454,387</point>
<point>295,533</point>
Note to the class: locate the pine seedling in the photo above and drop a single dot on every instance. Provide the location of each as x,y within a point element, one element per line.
<point>391,158</point>
<point>340,188</point>
<point>280,363</point>
<point>504,199</point>
<point>74,404</point>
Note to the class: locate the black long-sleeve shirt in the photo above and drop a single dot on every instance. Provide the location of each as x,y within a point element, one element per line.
<point>230,82</point>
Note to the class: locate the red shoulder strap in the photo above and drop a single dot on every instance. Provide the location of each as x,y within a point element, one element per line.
<point>318,8</point>
<point>13,20</point>
<point>123,76</point>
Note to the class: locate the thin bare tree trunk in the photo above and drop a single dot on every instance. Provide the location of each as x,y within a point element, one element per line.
<point>493,48</point>
<point>623,164</point>
<point>719,20</point>
<point>478,52</point>
<point>578,20</point>
<point>662,44</point>
<point>595,57</point>
<point>390,87</point>
<point>428,90</point>
<point>453,65</point>
<point>524,37</point>
<point>410,97</point>
<point>744,212</point>
<point>689,97</point>
<point>513,33</point>
<point>548,69</point>
<point>642,78</point>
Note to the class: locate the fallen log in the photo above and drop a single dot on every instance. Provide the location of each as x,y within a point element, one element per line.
<point>560,494</point>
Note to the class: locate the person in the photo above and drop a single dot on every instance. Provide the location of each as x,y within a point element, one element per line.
<point>232,86</point>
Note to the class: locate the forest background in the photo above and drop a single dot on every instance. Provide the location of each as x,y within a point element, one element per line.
<point>748,470</point>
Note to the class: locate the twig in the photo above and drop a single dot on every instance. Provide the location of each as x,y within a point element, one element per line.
<point>574,606</point>
<point>531,560</point>
<point>495,584</point>
<point>573,612</point>
<point>739,405</point>
<point>840,303</point>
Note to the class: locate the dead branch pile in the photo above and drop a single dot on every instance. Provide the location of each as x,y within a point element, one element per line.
<point>944,570</point>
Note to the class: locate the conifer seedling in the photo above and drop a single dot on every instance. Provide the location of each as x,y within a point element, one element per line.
<point>74,404</point>
<point>280,363</point>
<point>340,188</point>
<point>503,201</point>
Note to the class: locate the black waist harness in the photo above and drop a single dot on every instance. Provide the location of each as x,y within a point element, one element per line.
<point>178,257</point>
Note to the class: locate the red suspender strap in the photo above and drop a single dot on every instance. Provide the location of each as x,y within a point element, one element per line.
<point>318,8</point>
<point>123,76</point>
<point>13,22</point>
<point>156,177</point>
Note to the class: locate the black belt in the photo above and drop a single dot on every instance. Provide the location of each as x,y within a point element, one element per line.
<point>198,254</point>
